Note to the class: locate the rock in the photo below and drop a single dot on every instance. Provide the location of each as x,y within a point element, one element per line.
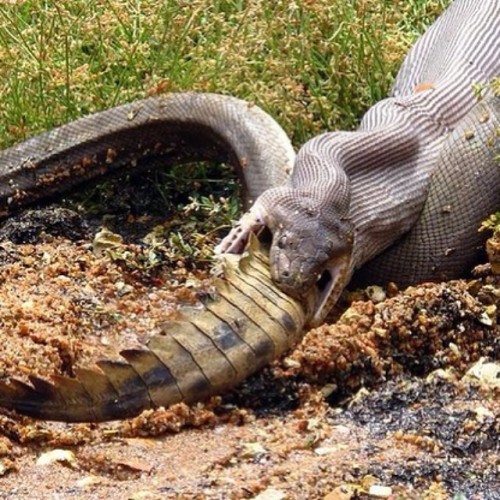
<point>271,494</point>
<point>376,293</point>
<point>66,457</point>
<point>88,481</point>
<point>380,491</point>
<point>487,373</point>
<point>327,450</point>
<point>344,492</point>
<point>252,450</point>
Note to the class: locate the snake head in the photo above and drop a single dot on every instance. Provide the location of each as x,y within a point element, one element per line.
<point>309,249</point>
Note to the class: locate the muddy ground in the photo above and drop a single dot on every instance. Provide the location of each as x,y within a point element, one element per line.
<point>399,398</point>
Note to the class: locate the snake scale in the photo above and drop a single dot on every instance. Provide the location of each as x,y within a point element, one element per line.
<point>414,161</point>
<point>401,197</point>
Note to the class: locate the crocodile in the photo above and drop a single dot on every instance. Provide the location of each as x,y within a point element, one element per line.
<point>353,195</point>
<point>242,326</point>
<point>245,323</point>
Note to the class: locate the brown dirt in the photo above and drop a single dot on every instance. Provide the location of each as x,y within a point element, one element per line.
<point>398,393</point>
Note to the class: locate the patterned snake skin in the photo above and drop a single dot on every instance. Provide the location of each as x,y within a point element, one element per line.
<point>424,159</point>
<point>425,162</point>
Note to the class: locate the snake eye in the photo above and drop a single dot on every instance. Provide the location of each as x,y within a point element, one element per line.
<point>282,243</point>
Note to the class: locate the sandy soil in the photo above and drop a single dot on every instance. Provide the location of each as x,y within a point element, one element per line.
<point>398,399</point>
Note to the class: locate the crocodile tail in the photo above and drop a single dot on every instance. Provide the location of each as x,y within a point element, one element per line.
<point>93,396</point>
<point>247,323</point>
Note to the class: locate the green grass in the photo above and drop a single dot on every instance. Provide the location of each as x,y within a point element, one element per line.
<point>314,65</point>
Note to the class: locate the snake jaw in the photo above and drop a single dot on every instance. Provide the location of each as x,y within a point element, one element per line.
<point>307,274</point>
<point>324,287</point>
<point>330,285</point>
<point>311,257</point>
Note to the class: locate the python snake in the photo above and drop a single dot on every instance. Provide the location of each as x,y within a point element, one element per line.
<point>424,160</point>
<point>415,160</point>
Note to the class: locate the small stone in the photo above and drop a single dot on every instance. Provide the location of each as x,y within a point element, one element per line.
<point>454,349</point>
<point>123,289</point>
<point>87,481</point>
<point>376,293</point>
<point>252,450</point>
<point>144,495</point>
<point>66,457</point>
<point>271,494</point>
<point>486,373</point>
<point>28,306</point>
<point>485,319</point>
<point>325,450</point>
<point>351,316</point>
<point>441,374</point>
<point>344,492</point>
<point>291,363</point>
<point>392,289</point>
<point>328,389</point>
<point>359,396</point>
<point>380,332</point>
<point>379,491</point>
<point>483,413</point>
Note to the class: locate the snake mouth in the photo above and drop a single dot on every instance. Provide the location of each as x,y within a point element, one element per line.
<point>329,286</point>
<point>324,287</point>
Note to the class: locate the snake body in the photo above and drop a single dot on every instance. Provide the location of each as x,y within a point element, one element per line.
<point>423,158</point>
<point>406,191</point>
<point>157,132</point>
<point>351,195</point>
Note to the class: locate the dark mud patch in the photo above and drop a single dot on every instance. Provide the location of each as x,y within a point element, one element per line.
<point>455,422</point>
<point>31,225</point>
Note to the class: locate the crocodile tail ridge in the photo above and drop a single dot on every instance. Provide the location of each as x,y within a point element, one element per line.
<point>245,324</point>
